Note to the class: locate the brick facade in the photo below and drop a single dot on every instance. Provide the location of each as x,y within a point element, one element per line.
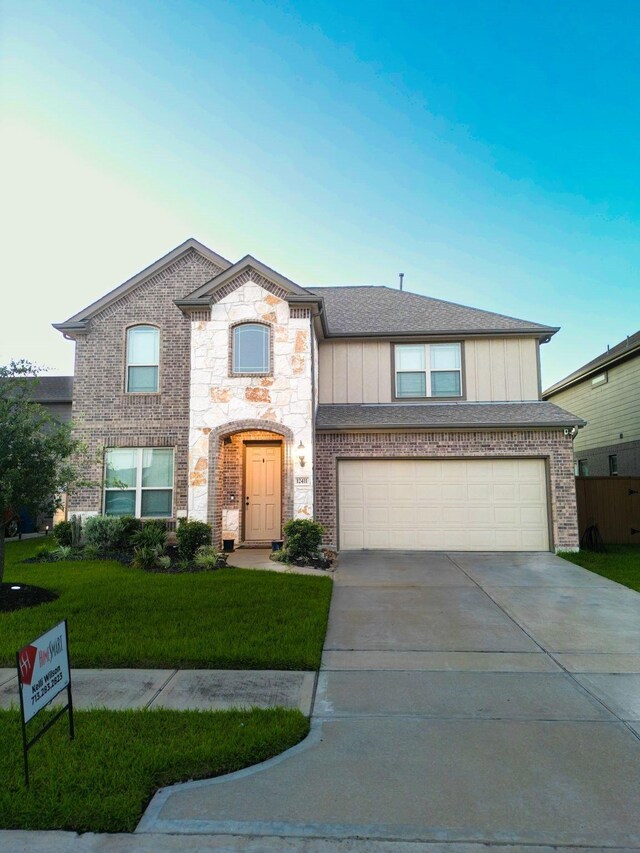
<point>552,445</point>
<point>108,417</point>
<point>218,500</point>
<point>597,459</point>
<point>233,480</point>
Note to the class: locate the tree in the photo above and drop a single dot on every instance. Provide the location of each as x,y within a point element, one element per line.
<point>36,452</point>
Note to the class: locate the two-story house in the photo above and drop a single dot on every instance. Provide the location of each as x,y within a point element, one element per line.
<point>606,393</point>
<point>226,392</point>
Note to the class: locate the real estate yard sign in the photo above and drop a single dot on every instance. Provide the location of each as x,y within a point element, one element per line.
<point>43,673</point>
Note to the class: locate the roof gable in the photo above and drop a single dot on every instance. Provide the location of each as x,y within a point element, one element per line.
<point>246,269</point>
<point>376,310</point>
<point>78,322</point>
<point>628,347</point>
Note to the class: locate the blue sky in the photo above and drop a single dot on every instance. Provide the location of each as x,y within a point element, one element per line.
<point>488,150</point>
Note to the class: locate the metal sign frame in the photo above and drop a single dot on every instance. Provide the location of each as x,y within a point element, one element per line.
<point>26,743</point>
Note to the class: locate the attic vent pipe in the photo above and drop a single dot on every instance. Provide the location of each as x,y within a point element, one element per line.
<point>401,276</point>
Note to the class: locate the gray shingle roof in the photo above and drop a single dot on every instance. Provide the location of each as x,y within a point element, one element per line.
<point>630,343</point>
<point>53,389</point>
<point>444,415</point>
<point>375,310</point>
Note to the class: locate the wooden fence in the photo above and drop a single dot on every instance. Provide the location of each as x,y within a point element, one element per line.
<point>613,503</point>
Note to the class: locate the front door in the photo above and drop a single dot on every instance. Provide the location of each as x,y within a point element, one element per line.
<point>263,497</point>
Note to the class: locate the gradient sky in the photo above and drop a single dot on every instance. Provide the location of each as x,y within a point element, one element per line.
<point>489,150</point>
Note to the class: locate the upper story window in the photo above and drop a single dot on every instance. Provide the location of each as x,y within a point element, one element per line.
<point>251,348</point>
<point>143,357</point>
<point>428,370</point>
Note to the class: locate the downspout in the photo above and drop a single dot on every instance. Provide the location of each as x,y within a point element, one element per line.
<point>312,316</point>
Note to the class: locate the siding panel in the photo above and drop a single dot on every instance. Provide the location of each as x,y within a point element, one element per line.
<point>496,369</point>
<point>609,409</point>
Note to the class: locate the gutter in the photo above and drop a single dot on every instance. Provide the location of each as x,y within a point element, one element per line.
<point>449,426</point>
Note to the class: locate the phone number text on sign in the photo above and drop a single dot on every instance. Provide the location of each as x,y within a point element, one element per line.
<point>43,670</point>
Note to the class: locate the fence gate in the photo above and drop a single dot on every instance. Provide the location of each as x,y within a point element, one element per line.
<point>613,503</point>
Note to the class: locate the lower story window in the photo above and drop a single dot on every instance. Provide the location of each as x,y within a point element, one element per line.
<point>583,468</point>
<point>138,481</point>
<point>613,465</point>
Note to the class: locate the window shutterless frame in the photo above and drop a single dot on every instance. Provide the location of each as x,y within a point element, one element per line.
<point>142,357</point>
<point>428,372</point>
<point>138,489</point>
<point>250,349</point>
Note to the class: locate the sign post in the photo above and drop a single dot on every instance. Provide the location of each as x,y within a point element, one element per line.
<point>43,673</point>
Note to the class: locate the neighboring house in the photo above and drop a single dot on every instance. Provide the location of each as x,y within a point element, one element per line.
<point>228,393</point>
<point>606,393</point>
<point>55,394</point>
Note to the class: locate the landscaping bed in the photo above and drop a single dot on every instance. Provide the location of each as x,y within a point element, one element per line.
<point>620,563</point>
<point>120,616</point>
<point>104,779</point>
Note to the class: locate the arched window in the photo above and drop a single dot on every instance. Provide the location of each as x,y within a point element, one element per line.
<point>251,348</point>
<point>143,355</point>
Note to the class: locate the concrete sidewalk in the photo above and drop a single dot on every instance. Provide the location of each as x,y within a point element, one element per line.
<point>178,689</point>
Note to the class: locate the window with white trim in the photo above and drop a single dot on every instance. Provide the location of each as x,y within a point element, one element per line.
<point>143,358</point>
<point>428,370</point>
<point>251,344</point>
<point>138,481</point>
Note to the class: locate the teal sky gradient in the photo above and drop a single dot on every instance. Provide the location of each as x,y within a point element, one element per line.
<point>489,150</point>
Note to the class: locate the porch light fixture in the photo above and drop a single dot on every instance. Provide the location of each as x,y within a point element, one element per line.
<point>301,457</point>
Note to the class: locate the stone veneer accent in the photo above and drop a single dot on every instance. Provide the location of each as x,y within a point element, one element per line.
<point>223,404</point>
<point>105,415</point>
<point>553,445</point>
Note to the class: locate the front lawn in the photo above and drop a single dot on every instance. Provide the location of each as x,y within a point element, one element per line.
<point>621,563</point>
<point>124,617</point>
<point>103,780</point>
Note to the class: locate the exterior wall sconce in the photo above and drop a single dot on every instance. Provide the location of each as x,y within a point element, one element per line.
<point>301,457</point>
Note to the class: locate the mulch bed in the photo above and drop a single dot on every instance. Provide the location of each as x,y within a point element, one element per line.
<point>25,596</point>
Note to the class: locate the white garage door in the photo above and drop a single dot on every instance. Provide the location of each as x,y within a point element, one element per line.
<point>453,504</point>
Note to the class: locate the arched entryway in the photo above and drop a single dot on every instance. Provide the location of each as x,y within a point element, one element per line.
<point>250,481</point>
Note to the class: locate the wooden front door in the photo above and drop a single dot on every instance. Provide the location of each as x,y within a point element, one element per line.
<point>263,492</point>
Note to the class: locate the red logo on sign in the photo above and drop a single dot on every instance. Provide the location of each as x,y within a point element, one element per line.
<point>27,659</point>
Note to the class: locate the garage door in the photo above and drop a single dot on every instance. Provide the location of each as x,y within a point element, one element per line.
<point>454,504</point>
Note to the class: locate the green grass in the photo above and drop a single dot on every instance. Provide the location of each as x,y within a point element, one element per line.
<point>124,617</point>
<point>621,563</point>
<point>103,780</point>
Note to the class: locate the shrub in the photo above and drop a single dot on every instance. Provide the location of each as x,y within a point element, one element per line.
<point>103,531</point>
<point>208,557</point>
<point>144,557</point>
<point>76,531</point>
<point>63,532</point>
<point>164,562</point>
<point>192,535</point>
<point>303,537</point>
<point>152,535</point>
<point>63,552</point>
<point>90,552</point>
<point>129,526</point>
<point>42,552</point>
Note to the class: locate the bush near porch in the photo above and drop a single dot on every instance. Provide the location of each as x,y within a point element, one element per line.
<point>120,616</point>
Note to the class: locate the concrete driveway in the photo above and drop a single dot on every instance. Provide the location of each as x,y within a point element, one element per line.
<point>463,698</point>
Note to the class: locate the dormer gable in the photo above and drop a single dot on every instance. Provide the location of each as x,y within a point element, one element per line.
<point>244,270</point>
